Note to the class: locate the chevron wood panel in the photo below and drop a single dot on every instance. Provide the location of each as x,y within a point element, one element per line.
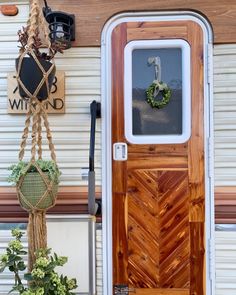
<point>158,229</point>
<point>143,229</point>
<point>162,291</point>
<point>174,233</point>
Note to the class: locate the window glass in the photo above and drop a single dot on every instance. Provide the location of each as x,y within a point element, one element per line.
<point>152,121</point>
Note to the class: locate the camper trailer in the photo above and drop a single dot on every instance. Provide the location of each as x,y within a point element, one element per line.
<point>142,114</point>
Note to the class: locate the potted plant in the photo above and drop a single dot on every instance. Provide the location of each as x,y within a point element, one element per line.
<point>43,279</point>
<point>33,186</point>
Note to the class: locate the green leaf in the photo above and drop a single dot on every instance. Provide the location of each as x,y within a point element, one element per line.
<point>19,169</point>
<point>11,268</point>
<point>21,266</point>
<point>22,252</point>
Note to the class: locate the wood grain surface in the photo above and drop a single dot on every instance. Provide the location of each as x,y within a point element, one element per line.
<point>171,291</point>
<point>91,15</point>
<point>158,194</point>
<point>196,143</point>
<point>225,204</point>
<point>120,253</point>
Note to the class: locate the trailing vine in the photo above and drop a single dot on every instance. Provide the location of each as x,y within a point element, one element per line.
<point>152,91</point>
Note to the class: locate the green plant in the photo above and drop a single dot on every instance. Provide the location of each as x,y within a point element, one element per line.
<point>23,39</point>
<point>152,91</point>
<point>21,168</point>
<point>43,279</point>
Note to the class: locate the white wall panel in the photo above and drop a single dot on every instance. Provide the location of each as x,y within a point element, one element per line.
<point>225,114</point>
<point>71,131</point>
<point>225,262</point>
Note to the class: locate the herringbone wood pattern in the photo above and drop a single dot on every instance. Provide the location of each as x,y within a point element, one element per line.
<point>158,229</point>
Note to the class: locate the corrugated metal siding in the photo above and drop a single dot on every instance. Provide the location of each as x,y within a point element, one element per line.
<point>225,263</point>
<point>225,114</point>
<point>70,130</point>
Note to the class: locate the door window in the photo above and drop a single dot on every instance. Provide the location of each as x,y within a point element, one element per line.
<point>166,61</point>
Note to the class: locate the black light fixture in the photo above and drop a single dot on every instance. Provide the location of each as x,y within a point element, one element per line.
<point>61,26</point>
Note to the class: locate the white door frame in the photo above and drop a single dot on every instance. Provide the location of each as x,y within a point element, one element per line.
<point>106,137</point>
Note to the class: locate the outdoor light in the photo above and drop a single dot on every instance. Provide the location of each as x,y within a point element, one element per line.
<point>61,25</point>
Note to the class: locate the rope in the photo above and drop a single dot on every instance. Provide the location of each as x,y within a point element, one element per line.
<point>37,221</point>
<point>37,233</point>
<point>25,134</point>
<point>39,142</point>
<point>45,30</point>
<point>33,23</point>
<point>37,115</point>
<point>49,136</point>
<point>36,18</point>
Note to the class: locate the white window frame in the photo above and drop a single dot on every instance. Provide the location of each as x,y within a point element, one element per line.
<point>186,91</point>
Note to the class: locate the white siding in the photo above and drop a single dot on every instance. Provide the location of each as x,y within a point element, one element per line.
<point>225,263</point>
<point>225,114</point>
<point>7,278</point>
<point>71,131</point>
<point>99,279</point>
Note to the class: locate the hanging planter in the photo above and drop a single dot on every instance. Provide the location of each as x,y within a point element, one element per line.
<point>35,69</point>
<point>31,75</point>
<point>33,185</point>
<point>37,180</point>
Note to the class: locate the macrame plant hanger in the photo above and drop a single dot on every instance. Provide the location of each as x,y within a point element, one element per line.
<point>37,233</point>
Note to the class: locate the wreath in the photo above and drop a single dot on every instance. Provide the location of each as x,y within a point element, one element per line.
<point>153,90</point>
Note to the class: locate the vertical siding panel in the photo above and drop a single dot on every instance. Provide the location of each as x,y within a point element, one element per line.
<point>225,114</point>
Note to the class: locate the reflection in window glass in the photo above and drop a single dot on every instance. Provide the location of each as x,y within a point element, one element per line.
<point>148,120</point>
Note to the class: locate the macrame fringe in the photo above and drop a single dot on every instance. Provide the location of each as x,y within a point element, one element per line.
<point>37,235</point>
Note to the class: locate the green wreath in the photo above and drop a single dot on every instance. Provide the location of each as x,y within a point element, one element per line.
<point>165,91</point>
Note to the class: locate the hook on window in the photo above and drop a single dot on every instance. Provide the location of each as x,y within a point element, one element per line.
<point>156,61</point>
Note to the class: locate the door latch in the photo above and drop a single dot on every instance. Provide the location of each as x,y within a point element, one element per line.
<point>120,151</point>
<point>123,289</point>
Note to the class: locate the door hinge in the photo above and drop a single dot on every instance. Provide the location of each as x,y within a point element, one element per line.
<point>123,289</point>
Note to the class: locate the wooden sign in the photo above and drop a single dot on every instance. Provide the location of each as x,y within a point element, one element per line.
<point>56,104</point>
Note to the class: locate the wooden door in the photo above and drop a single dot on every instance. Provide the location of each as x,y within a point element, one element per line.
<point>158,193</point>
